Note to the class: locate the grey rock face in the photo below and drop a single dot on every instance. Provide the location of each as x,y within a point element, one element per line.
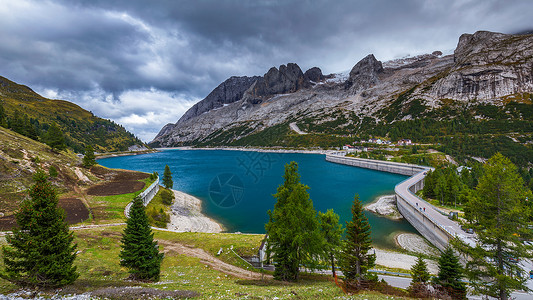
<point>488,66</point>
<point>314,74</point>
<point>227,92</point>
<point>288,79</point>
<point>364,74</point>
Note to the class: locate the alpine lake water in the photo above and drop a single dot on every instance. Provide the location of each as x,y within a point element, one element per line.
<point>236,187</point>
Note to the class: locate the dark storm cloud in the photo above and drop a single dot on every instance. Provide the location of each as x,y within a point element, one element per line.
<point>114,57</point>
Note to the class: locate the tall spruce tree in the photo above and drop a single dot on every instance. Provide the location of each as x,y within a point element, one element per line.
<point>40,252</point>
<point>89,159</point>
<point>332,231</point>
<point>450,274</point>
<point>3,116</point>
<point>355,259</point>
<point>501,219</point>
<point>55,138</point>
<point>294,237</point>
<point>140,252</point>
<point>419,272</point>
<point>167,178</point>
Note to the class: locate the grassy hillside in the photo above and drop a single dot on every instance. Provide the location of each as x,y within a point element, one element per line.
<point>20,156</point>
<point>81,127</point>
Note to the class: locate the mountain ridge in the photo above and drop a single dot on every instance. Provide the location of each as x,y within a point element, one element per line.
<point>486,68</point>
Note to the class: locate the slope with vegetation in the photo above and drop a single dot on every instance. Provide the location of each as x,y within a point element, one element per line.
<point>28,113</point>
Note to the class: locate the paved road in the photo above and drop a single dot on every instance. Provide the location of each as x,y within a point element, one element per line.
<point>429,211</point>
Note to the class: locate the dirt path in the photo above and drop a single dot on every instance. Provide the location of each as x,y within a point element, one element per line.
<point>212,261</point>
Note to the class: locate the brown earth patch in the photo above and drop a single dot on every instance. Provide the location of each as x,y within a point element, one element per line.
<point>75,211</point>
<point>115,188</point>
<point>117,174</point>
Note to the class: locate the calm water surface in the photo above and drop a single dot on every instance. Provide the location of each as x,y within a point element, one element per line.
<point>236,187</point>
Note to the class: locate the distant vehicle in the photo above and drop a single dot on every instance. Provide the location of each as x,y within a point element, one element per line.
<point>467,230</point>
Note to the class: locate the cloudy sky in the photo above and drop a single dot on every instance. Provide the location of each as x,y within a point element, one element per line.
<point>144,63</point>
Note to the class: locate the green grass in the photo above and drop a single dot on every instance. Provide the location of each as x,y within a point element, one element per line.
<point>153,210</point>
<point>98,265</point>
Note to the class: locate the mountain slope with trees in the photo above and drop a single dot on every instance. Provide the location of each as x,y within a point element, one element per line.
<point>28,113</point>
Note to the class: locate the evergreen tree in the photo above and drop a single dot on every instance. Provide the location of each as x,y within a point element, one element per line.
<point>89,159</point>
<point>167,178</point>
<point>332,231</point>
<point>501,215</point>
<point>355,259</point>
<point>40,252</point>
<point>3,116</point>
<point>55,138</point>
<point>293,234</point>
<point>419,272</point>
<point>140,252</point>
<point>52,171</point>
<point>450,274</point>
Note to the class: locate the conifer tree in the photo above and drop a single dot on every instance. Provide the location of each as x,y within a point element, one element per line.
<point>500,213</point>
<point>40,252</point>
<point>332,231</point>
<point>419,272</point>
<point>55,138</point>
<point>450,274</point>
<point>140,252</point>
<point>294,238</point>
<point>355,259</point>
<point>3,117</point>
<point>167,178</point>
<point>89,159</point>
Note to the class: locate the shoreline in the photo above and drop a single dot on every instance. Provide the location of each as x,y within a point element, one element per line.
<point>186,215</point>
<point>304,151</point>
<point>110,154</point>
<point>385,206</point>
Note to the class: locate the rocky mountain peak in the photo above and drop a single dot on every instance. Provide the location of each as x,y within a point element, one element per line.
<point>287,79</point>
<point>314,74</point>
<point>364,74</point>
<point>227,92</point>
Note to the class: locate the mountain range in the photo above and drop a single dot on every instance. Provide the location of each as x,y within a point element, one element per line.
<point>488,78</point>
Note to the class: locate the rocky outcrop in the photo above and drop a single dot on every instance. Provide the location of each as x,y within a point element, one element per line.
<point>314,74</point>
<point>227,92</point>
<point>364,74</point>
<point>485,67</point>
<point>488,66</point>
<point>288,79</point>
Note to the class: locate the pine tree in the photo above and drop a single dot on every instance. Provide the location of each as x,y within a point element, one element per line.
<point>501,215</point>
<point>332,231</point>
<point>40,251</point>
<point>355,259</point>
<point>294,238</point>
<point>55,138</point>
<point>167,178</point>
<point>450,274</point>
<point>89,159</point>
<point>419,272</point>
<point>140,252</point>
<point>3,116</point>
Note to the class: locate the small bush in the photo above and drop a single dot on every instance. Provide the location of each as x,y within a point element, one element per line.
<point>52,171</point>
<point>167,197</point>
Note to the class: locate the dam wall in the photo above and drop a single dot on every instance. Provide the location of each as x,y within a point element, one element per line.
<point>429,222</point>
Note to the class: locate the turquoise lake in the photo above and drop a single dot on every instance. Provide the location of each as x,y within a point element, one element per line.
<point>236,187</point>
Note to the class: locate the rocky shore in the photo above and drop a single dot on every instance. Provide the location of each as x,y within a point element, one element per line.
<point>186,215</point>
<point>385,206</point>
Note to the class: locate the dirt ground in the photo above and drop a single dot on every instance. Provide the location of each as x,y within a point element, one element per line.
<point>75,211</point>
<point>118,182</point>
<point>115,188</point>
<point>210,260</point>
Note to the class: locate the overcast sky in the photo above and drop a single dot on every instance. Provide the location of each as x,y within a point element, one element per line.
<point>144,63</point>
